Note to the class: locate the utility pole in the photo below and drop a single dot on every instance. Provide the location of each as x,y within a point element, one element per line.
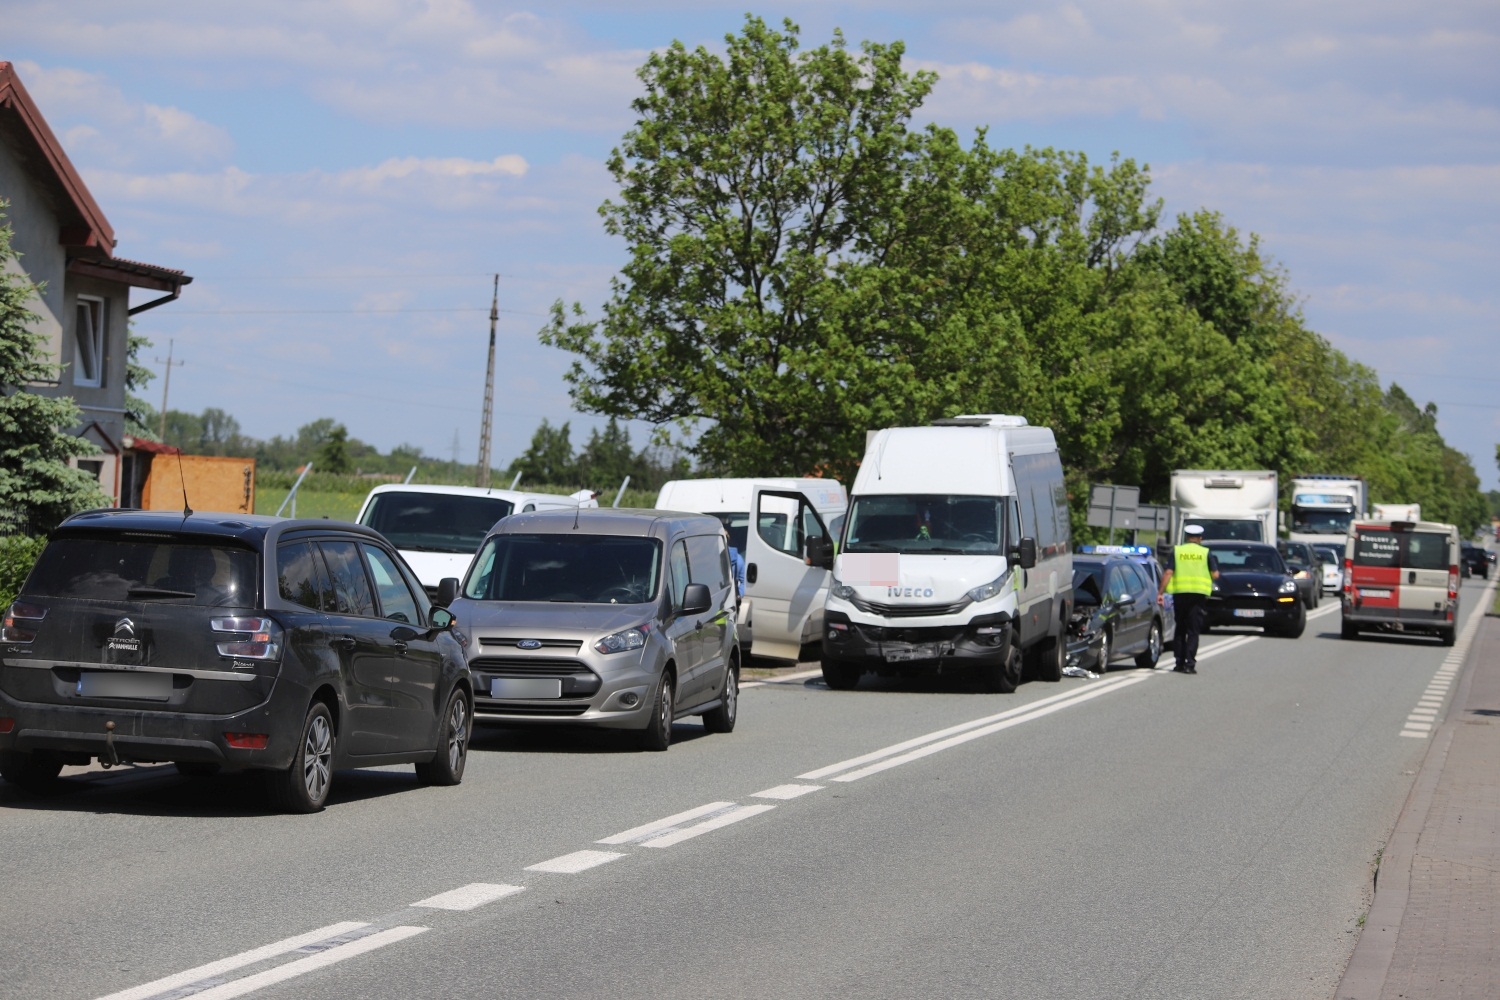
<point>482,478</point>
<point>161,427</point>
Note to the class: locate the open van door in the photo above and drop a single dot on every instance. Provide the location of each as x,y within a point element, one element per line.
<point>787,591</point>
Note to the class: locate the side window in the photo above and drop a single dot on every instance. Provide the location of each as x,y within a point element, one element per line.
<point>779,523</point>
<point>708,561</point>
<point>351,588</point>
<point>1137,582</point>
<point>680,577</point>
<point>1029,526</point>
<point>1118,588</point>
<point>301,577</point>
<point>396,600</point>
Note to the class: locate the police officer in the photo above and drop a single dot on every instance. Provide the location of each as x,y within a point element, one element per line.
<point>1189,578</point>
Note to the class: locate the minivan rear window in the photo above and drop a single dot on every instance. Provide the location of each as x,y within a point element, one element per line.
<point>145,568</point>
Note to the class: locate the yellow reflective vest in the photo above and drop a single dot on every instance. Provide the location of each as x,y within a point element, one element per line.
<point>1190,572</point>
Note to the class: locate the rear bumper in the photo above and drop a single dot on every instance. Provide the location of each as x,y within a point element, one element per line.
<point>1397,619</point>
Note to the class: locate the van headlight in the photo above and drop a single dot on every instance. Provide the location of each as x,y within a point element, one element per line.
<point>991,589</point>
<point>619,642</point>
<point>839,589</point>
<point>1288,586</point>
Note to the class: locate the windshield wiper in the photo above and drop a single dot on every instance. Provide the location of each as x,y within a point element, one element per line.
<point>158,592</point>
<point>873,547</point>
<point>950,549</point>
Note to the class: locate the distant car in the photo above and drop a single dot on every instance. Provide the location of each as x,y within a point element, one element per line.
<point>1115,613</point>
<point>611,618</point>
<point>229,640</point>
<point>1255,588</point>
<point>1306,570</point>
<point>1476,561</point>
<point>1331,560</point>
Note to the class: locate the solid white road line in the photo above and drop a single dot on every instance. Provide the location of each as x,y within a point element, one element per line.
<point>578,861</point>
<point>470,896</point>
<point>800,675</point>
<point>233,962</point>
<point>708,825</point>
<point>917,741</point>
<point>312,963</point>
<point>639,833</point>
<point>786,791</point>
<point>954,741</point>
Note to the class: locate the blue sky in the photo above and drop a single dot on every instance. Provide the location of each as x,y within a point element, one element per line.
<point>342,177</point>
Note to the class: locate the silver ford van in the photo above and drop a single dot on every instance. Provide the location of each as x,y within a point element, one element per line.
<point>621,619</point>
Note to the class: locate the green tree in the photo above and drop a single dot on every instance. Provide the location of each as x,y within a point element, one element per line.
<point>141,418</point>
<point>333,453</point>
<point>548,460</point>
<point>38,488</point>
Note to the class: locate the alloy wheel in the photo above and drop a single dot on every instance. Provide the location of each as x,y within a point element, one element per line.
<point>317,757</point>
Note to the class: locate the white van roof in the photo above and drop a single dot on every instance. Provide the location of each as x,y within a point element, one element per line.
<point>716,496</point>
<point>517,497</point>
<point>968,456</point>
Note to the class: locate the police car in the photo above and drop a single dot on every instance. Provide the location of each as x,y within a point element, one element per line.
<point>1117,610</point>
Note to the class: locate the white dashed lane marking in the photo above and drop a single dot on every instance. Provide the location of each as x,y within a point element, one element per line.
<point>469,897</point>
<point>578,861</point>
<point>645,832</point>
<point>718,822</point>
<point>1420,723</point>
<point>786,792</point>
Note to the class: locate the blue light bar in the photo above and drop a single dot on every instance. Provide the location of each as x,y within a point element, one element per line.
<point>1115,550</point>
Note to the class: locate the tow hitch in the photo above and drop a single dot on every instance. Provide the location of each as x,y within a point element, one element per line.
<point>113,758</point>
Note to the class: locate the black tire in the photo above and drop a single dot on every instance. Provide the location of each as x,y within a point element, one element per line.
<point>303,787</point>
<point>1449,636</point>
<point>1051,657</point>
<point>197,768</point>
<point>1001,676</point>
<point>447,768</point>
<point>840,675</point>
<point>1106,651</point>
<point>721,719</point>
<point>1294,630</point>
<point>657,735</point>
<point>1348,631</point>
<point>34,773</point>
<point>1146,658</point>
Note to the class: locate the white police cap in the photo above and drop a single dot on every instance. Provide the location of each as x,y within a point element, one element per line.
<point>1192,529</point>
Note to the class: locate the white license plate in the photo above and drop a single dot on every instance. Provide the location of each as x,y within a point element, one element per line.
<point>525,687</point>
<point>1367,592</point>
<point>927,651</point>
<point>1249,613</point>
<point>122,684</point>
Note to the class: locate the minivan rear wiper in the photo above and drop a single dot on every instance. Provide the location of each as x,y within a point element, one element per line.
<point>158,592</point>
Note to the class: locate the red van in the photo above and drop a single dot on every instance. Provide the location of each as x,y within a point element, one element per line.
<point>1401,576</point>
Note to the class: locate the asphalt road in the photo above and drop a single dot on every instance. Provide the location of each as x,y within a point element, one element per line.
<point>1145,835</point>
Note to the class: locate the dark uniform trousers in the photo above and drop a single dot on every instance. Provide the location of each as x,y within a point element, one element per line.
<point>1190,611</point>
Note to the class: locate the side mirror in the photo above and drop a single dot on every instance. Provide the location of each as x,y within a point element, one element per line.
<point>441,618</point>
<point>1026,553</point>
<point>696,599</point>
<point>447,591</point>
<point>820,552</point>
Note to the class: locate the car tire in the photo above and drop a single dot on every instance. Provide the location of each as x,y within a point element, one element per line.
<point>1051,657</point>
<point>721,719</point>
<point>840,675</point>
<point>447,767</point>
<point>1294,630</point>
<point>1106,651</point>
<point>197,768</point>
<point>303,787</point>
<point>1347,631</point>
<point>657,735</point>
<point>1003,675</point>
<point>1449,636</point>
<point>29,771</point>
<point>1146,658</point>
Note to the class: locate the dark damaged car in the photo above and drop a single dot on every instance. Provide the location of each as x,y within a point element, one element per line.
<point>228,641</point>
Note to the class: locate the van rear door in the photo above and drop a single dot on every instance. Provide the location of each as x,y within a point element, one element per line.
<point>788,594</point>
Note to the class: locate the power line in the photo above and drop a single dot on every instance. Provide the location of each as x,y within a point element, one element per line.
<point>342,312</point>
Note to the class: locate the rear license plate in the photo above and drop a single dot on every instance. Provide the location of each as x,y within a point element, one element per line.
<point>1249,613</point>
<point>1367,592</point>
<point>926,651</point>
<point>122,684</point>
<point>525,687</point>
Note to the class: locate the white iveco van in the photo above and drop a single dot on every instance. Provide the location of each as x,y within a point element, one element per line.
<point>956,556</point>
<point>782,608</point>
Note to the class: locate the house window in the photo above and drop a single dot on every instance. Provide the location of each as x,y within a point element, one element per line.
<point>88,344</point>
<point>93,466</point>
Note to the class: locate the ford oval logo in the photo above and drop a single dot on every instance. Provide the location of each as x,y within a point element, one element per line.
<point>529,644</point>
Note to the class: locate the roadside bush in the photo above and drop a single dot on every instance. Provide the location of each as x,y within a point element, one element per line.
<point>17,555</point>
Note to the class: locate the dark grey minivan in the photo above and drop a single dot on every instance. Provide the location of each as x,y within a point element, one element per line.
<point>622,619</point>
<point>227,640</point>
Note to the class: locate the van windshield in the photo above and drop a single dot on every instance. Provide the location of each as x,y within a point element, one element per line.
<point>581,569</point>
<point>926,523</point>
<point>434,522</point>
<point>1321,520</point>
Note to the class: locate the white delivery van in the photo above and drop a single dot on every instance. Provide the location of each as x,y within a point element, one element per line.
<point>437,528</point>
<point>782,609</point>
<point>1238,505</point>
<point>955,556</point>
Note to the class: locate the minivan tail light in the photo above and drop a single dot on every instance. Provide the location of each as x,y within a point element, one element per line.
<point>254,638</point>
<point>21,622</point>
<point>7,724</point>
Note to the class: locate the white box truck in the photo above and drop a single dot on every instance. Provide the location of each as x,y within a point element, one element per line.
<point>438,528</point>
<point>1323,507</point>
<point>956,556</point>
<point>782,607</point>
<point>1237,505</point>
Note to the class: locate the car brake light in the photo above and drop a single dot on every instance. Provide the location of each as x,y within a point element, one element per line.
<point>21,622</point>
<point>7,724</point>
<point>256,638</point>
<point>247,741</point>
<point>1452,582</point>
